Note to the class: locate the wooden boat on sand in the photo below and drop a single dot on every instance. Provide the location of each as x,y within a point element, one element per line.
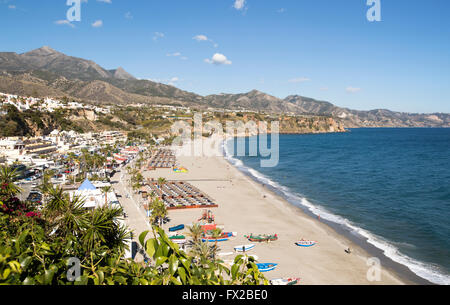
<point>266,267</point>
<point>176,228</point>
<point>285,282</point>
<point>262,238</point>
<point>306,243</point>
<point>244,248</point>
<point>212,240</point>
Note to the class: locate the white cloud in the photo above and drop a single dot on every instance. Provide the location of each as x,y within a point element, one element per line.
<point>218,59</point>
<point>239,4</point>
<point>158,35</point>
<point>64,22</point>
<point>177,54</point>
<point>97,24</point>
<point>324,89</point>
<point>12,7</point>
<point>205,38</point>
<point>352,89</point>
<point>299,80</point>
<point>173,80</point>
<point>281,10</point>
<point>201,38</point>
<point>105,1</point>
<point>128,15</point>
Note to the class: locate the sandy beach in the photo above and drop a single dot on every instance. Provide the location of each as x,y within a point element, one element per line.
<point>248,207</point>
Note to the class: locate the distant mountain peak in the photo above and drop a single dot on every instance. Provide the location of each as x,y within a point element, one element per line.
<point>45,50</point>
<point>120,73</point>
<point>254,91</point>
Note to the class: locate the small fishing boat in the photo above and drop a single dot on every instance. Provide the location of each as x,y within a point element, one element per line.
<point>305,243</point>
<point>229,234</point>
<point>262,238</point>
<point>285,282</point>
<point>176,228</point>
<point>223,235</point>
<point>179,241</point>
<point>177,237</point>
<point>266,267</point>
<point>211,240</point>
<point>244,248</point>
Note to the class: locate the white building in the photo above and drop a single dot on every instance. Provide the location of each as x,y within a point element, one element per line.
<point>94,197</point>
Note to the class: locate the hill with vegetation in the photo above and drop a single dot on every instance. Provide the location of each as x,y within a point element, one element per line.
<point>46,72</point>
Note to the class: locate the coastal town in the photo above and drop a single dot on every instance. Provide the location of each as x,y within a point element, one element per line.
<point>153,184</point>
<point>237,143</point>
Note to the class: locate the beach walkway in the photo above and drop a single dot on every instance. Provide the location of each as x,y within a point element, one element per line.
<point>136,219</point>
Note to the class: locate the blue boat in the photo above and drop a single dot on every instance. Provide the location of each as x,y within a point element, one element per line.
<point>305,243</point>
<point>244,248</point>
<point>177,228</point>
<point>266,267</point>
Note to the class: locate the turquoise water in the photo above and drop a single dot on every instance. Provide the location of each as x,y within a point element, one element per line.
<point>391,186</point>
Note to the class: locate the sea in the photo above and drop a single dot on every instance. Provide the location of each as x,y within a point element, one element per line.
<point>390,186</point>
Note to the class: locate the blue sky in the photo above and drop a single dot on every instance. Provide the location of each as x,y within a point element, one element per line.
<point>324,49</point>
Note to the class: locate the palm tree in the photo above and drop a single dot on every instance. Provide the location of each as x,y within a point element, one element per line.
<point>48,174</point>
<point>137,180</point>
<point>106,190</point>
<point>65,215</point>
<point>195,231</point>
<point>216,233</point>
<point>202,252</point>
<point>161,181</point>
<point>7,178</point>
<point>159,211</point>
<point>96,229</point>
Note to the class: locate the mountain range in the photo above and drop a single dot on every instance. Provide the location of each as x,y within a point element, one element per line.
<point>46,72</point>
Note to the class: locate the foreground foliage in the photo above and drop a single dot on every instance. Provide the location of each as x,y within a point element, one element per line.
<point>36,245</point>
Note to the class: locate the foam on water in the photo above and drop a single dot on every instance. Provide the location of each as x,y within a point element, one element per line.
<point>429,272</point>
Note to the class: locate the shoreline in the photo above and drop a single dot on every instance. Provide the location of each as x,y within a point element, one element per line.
<point>399,270</point>
<point>265,209</point>
<point>247,206</point>
<point>402,270</point>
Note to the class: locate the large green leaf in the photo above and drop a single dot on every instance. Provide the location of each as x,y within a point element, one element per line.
<point>49,274</point>
<point>142,238</point>
<point>182,274</point>
<point>234,271</point>
<point>173,264</point>
<point>29,281</point>
<point>160,260</point>
<point>151,247</point>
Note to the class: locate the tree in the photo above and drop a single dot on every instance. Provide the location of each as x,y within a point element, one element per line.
<point>161,181</point>
<point>216,234</point>
<point>159,211</point>
<point>35,249</point>
<point>195,232</point>
<point>106,190</point>
<point>7,178</point>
